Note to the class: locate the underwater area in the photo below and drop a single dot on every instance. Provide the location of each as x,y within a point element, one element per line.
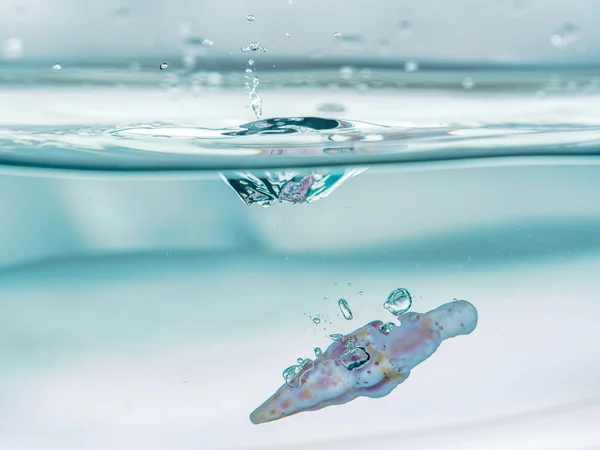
<point>299,224</point>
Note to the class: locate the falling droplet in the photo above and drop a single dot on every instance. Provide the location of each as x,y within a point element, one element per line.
<point>336,336</point>
<point>12,48</point>
<point>207,42</point>
<point>565,36</point>
<point>254,47</point>
<point>468,83</point>
<point>349,284</point>
<point>318,352</point>
<point>163,66</point>
<point>354,358</point>
<point>250,18</point>
<point>250,63</point>
<point>398,302</point>
<point>331,107</point>
<point>345,308</point>
<point>317,320</point>
<point>288,35</point>
<point>337,35</point>
<point>386,327</point>
<point>411,66</point>
<point>56,67</point>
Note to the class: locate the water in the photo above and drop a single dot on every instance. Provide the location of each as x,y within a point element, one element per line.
<point>147,304</point>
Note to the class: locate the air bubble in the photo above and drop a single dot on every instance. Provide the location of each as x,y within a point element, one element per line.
<point>354,358</point>
<point>56,67</point>
<point>336,337</point>
<point>386,327</point>
<point>318,352</point>
<point>250,18</point>
<point>163,66</point>
<point>345,308</point>
<point>398,302</point>
<point>337,35</point>
<point>411,66</point>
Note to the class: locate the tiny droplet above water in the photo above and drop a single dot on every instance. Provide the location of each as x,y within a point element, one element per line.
<point>56,67</point>
<point>336,336</point>
<point>337,35</point>
<point>163,66</point>
<point>250,18</point>
<point>345,308</point>
<point>411,66</point>
<point>250,62</point>
<point>398,302</point>
<point>468,83</point>
<point>318,352</point>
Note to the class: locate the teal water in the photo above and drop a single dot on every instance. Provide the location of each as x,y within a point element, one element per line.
<point>155,309</point>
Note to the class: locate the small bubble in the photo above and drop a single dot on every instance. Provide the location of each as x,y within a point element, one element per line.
<point>336,336</point>
<point>163,66</point>
<point>349,284</point>
<point>398,302</point>
<point>288,35</point>
<point>360,292</point>
<point>207,42</point>
<point>250,18</point>
<point>468,83</point>
<point>337,35</point>
<point>345,308</point>
<point>317,320</point>
<point>300,360</point>
<point>318,352</point>
<point>335,284</point>
<point>253,47</point>
<point>411,66</point>
<point>350,344</point>
<point>56,67</point>
<point>250,62</point>
<point>386,327</point>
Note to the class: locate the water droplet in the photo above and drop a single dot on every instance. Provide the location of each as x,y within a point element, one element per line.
<point>404,29</point>
<point>56,67</point>
<point>565,36</point>
<point>398,302</point>
<point>207,42</point>
<point>345,308</point>
<point>349,284</point>
<point>288,35</point>
<point>331,107</point>
<point>317,320</point>
<point>250,63</point>
<point>253,47</point>
<point>335,284</point>
<point>291,376</point>
<point>12,48</point>
<point>336,336</point>
<point>468,83</point>
<point>250,18</point>
<point>411,66</point>
<point>386,327</point>
<point>346,72</point>
<point>122,14</point>
<point>300,360</point>
<point>163,66</point>
<point>337,35</point>
<point>318,352</point>
<point>354,358</point>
